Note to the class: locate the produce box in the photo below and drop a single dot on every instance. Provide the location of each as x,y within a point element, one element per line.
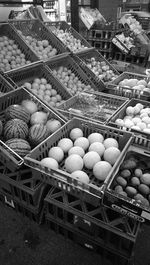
<point>97,68</point>
<point>16,53</point>
<point>120,86</point>
<point>40,81</point>
<point>12,154</point>
<point>5,87</point>
<point>38,38</point>
<point>71,76</point>
<point>98,107</point>
<point>90,188</point>
<point>134,117</point>
<point>127,190</point>
<point>72,40</point>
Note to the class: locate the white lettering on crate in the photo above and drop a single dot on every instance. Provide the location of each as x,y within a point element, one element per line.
<point>127,213</point>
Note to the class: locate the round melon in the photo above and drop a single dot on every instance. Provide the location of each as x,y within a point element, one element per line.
<point>37,134</point>
<point>15,128</point>
<point>1,127</point>
<point>19,146</point>
<point>17,112</point>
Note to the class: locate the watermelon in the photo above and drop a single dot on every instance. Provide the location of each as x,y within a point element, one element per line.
<point>37,133</point>
<point>15,128</point>
<point>1,127</point>
<point>17,112</point>
<point>19,146</point>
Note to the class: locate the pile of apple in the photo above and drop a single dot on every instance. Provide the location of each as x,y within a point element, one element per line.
<point>137,118</point>
<point>80,154</point>
<point>69,40</point>
<point>133,179</point>
<point>41,47</point>
<point>140,86</point>
<point>70,80</point>
<point>101,69</point>
<point>44,91</point>
<point>10,55</point>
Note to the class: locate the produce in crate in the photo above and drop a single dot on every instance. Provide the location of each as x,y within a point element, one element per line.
<point>10,55</point>
<point>42,47</point>
<point>83,155</point>
<point>44,91</point>
<point>70,80</point>
<point>19,146</point>
<point>141,86</point>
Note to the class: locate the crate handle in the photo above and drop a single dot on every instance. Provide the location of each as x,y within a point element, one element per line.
<point>10,153</point>
<point>10,203</point>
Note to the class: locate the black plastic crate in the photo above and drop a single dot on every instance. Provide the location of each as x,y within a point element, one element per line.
<point>38,70</point>
<point>36,29</point>
<point>62,25</point>
<point>91,192</point>
<point>98,107</point>
<point>71,65</point>
<point>7,30</point>
<point>7,156</point>
<point>5,86</point>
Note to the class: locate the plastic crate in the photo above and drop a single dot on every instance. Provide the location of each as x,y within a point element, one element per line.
<point>68,62</point>
<point>127,205</point>
<point>122,113</point>
<point>103,225</point>
<point>62,25</point>
<point>98,107</point>
<point>128,92</point>
<point>7,156</point>
<point>60,178</point>
<point>83,59</point>
<point>7,30</point>
<point>5,87</point>
<point>38,70</point>
<point>36,29</point>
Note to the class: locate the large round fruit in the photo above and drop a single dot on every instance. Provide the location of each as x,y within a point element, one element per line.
<point>97,147</point>
<point>53,125</point>
<point>19,146</point>
<point>65,144</point>
<point>76,150</point>
<point>80,176</point>
<point>82,142</point>
<point>56,153</point>
<point>29,105</point>
<point>37,133</point>
<point>90,159</point>
<point>1,128</point>
<point>17,112</point>
<point>76,133</point>
<point>101,170</point>
<point>95,137</point>
<point>109,142</point>
<point>111,155</point>
<point>49,162</point>
<point>15,128</point>
<point>73,162</point>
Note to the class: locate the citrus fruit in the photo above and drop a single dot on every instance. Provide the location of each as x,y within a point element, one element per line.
<point>81,176</point>
<point>65,144</point>
<point>76,150</point>
<point>111,154</point>
<point>97,147</point>
<point>109,142</point>
<point>73,162</point>
<point>101,170</point>
<point>76,133</point>
<point>90,159</point>
<point>82,142</point>
<point>49,162</point>
<point>95,137</point>
<point>56,153</point>
<point>53,125</point>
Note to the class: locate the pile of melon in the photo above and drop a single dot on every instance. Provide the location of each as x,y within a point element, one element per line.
<point>24,126</point>
<point>141,86</point>
<point>44,90</point>
<point>83,157</point>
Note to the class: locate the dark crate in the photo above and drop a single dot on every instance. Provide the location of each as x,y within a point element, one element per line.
<point>7,156</point>
<point>98,107</point>
<point>82,60</point>
<point>38,70</point>
<point>5,86</point>
<point>60,178</point>
<point>7,30</point>
<point>127,205</point>
<point>36,29</point>
<point>114,87</point>
<point>68,62</point>
<point>62,25</point>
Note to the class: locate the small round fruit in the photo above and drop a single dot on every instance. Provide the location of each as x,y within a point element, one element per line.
<point>131,191</point>
<point>145,179</point>
<point>144,189</point>
<point>110,142</point>
<point>95,137</point>
<point>121,181</point>
<point>56,153</point>
<point>82,142</point>
<point>49,162</point>
<point>125,173</point>
<point>76,133</point>
<point>123,193</point>
<point>80,176</point>
<point>73,162</point>
<point>101,170</point>
<point>65,144</point>
<point>97,147</point>
<point>90,159</point>
<point>111,155</point>
<point>119,122</point>
<point>138,172</point>
<point>118,188</point>
<point>139,197</point>
<point>130,110</point>
<point>76,150</point>
<point>135,181</point>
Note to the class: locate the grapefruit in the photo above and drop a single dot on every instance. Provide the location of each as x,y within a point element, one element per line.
<point>95,137</point>
<point>56,153</point>
<point>76,133</point>
<point>97,147</point>
<point>90,159</point>
<point>82,142</point>
<point>53,125</point>
<point>101,170</point>
<point>111,154</point>
<point>109,142</point>
<point>49,162</point>
<point>65,144</point>
<point>81,176</point>
<point>76,150</point>
<point>73,162</point>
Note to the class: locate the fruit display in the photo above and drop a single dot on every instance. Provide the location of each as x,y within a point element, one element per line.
<point>137,117</point>
<point>141,86</point>
<point>10,55</point>
<point>24,126</point>
<point>132,23</point>
<point>44,90</point>
<point>133,178</point>
<point>124,43</point>
<point>43,48</point>
<point>87,158</point>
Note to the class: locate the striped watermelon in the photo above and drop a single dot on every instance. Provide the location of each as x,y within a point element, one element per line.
<point>37,133</point>
<point>15,128</point>
<point>19,146</point>
<point>17,112</point>
<point>1,127</point>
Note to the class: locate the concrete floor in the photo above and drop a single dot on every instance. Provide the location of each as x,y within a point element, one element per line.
<point>49,248</point>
